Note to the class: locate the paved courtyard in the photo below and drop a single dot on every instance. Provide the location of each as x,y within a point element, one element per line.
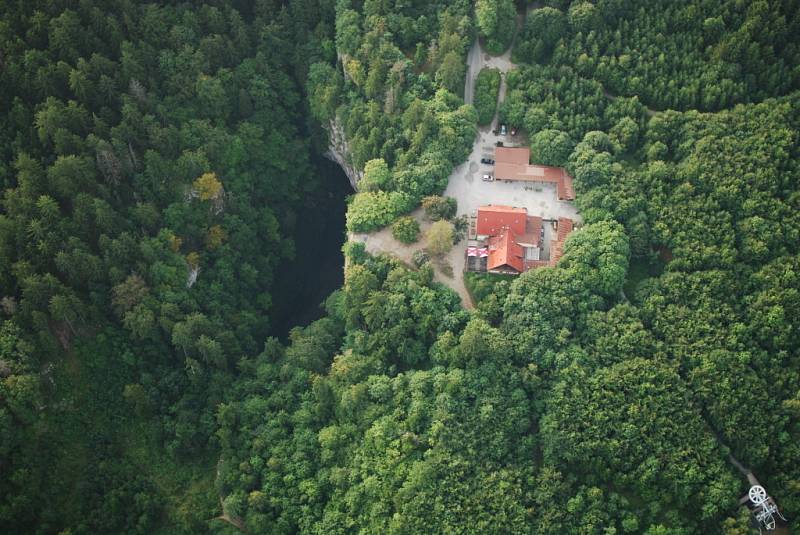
<point>466,186</point>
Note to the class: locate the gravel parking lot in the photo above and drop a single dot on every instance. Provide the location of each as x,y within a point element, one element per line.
<point>467,187</point>
<point>465,184</point>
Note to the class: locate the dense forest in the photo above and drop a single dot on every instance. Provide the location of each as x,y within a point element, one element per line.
<point>679,54</point>
<point>156,159</point>
<point>397,101</point>
<point>153,161</point>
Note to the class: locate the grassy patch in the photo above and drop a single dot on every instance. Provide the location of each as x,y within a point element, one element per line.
<point>406,230</point>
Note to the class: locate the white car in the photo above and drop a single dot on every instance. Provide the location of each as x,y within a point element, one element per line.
<point>488,178</point>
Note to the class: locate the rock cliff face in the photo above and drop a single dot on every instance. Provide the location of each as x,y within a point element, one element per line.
<point>339,152</point>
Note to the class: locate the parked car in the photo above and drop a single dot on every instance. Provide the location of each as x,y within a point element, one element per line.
<point>513,130</point>
<point>503,130</point>
<point>488,178</point>
<point>487,161</point>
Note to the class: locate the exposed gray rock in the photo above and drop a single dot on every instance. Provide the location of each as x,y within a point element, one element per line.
<point>339,152</point>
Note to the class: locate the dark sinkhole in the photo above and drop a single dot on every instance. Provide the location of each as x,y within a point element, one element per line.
<point>302,285</point>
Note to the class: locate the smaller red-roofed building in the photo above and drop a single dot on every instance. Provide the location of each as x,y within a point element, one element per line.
<point>513,163</point>
<point>565,227</point>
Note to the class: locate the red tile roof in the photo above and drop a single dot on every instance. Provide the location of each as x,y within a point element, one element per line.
<point>493,219</point>
<point>509,228</point>
<point>505,252</point>
<point>513,163</point>
<point>503,208</point>
<point>533,229</point>
<point>566,191</point>
<point>565,227</point>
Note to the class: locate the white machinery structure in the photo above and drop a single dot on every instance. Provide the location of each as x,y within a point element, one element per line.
<point>764,508</point>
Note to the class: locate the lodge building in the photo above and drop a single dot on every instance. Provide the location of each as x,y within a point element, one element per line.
<point>507,240</point>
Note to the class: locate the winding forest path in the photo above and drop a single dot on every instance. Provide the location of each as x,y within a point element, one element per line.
<point>473,68</point>
<point>746,472</point>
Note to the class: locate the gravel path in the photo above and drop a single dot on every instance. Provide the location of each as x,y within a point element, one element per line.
<point>382,241</point>
<point>478,59</point>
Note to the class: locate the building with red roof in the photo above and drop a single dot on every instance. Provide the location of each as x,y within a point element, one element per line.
<point>505,254</point>
<point>492,219</point>
<point>565,227</point>
<point>512,242</point>
<point>513,163</point>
